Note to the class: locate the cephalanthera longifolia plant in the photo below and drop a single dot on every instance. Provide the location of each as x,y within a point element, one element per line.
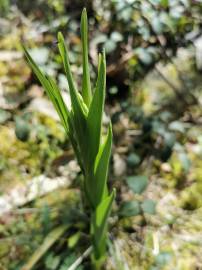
<point>83,125</point>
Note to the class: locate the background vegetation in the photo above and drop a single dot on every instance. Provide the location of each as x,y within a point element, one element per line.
<point>154,100</point>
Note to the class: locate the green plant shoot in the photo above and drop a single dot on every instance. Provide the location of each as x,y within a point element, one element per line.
<point>83,125</point>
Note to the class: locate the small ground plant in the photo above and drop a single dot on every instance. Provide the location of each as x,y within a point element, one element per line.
<point>83,125</point>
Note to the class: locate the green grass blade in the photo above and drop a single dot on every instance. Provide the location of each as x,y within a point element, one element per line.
<point>64,112</point>
<point>51,89</point>
<point>86,86</point>
<point>49,240</point>
<point>74,142</point>
<point>101,168</point>
<point>77,108</point>
<point>65,58</point>
<point>94,120</point>
<point>99,224</point>
<point>83,104</point>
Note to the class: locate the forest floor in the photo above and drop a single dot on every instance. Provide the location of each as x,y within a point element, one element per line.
<point>157,135</point>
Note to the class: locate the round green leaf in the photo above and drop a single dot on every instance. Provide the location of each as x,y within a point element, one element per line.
<point>22,129</point>
<point>133,160</point>
<point>149,207</point>
<point>128,209</point>
<point>163,258</point>
<point>4,116</point>
<point>137,183</point>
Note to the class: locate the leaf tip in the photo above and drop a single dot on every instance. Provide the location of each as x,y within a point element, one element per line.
<point>60,37</point>
<point>113,193</point>
<point>84,12</point>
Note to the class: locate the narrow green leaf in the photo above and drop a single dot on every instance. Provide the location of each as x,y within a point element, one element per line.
<point>51,89</point>
<point>74,142</point>
<point>41,77</point>
<point>78,105</point>
<point>94,120</point>
<point>77,108</point>
<point>99,224</point>
<point>86,87</point>
<point>65,58</point>
<point>50,239</point>
<point>101,169</point>
<point>73,239</point>
<point>83,105</point>
<point>61,106</point>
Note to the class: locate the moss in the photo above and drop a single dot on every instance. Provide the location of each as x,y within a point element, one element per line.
<point>23,160</point>
<point>18,73</point>
<point>58,197</point>
<point>54,129</point>
<point>191,197</point>
<point>18,161</point>
<point>11,42</point>
<point>3,69</point>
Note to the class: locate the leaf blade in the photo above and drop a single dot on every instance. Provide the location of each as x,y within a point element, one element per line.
<point>50,89</point>
<point>43,248</point>
<point>77,108</point>
<point>99,224</point>
<point>94,119</point>
<point>101,169</point>
<point>86,86</point>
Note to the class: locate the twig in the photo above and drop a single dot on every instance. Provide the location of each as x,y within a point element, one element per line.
<point>80,259</point>
<point>114,68</point>
<point>169,83</point>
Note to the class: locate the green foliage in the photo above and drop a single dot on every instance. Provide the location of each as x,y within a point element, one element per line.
<point>133,160</point>
<point>22,129</point>
<point>48,242</point>
<point>99,225</point>
<point>130,208</point>
<point>149,207</point>
<point>86,87</point>
<point>161,260</point>
<point>4,116</point>
<point>73,240</point>
<point>83,124</point>
<point>137,183</point>
<point>134,208</point>
<point>52,262</point>
<point>4,7</point>
<point>68,262</point>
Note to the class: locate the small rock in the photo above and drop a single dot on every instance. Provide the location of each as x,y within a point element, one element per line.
<point>166,167</point>
<point>198,45</point>
<point>44,106</point>
<point>119,166</point>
